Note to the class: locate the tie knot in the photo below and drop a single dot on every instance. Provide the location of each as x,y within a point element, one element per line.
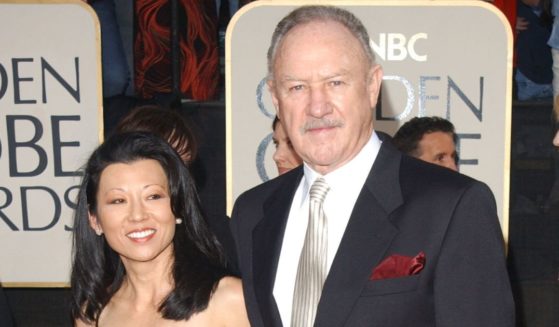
<point>319,189</point>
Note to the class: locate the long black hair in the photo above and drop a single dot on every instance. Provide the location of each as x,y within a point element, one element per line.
<point>97,270</point>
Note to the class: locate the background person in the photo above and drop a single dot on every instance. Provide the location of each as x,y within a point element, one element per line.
<point>116,73</point>
<point>360,235</point>
<point>430,139</point>
<point>285,156</point>
<point>553,43</point>
<point>533,75</point>
<point>553,200</point>
<point>143,254</point>
<point>165,123</point>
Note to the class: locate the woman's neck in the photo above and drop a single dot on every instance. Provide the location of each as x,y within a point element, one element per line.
<point>147,283</point>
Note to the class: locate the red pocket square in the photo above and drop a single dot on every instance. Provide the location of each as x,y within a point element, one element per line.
<point>399,266</point>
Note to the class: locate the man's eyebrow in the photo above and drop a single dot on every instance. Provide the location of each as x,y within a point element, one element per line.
<point>289,78</point>
<point>343,72</point>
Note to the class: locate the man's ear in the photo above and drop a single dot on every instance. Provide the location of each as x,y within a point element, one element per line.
<point>94,224</point>
<point>374,80</point>
<point>272,89</point>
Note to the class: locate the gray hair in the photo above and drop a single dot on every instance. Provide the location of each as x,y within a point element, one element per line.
<point>307,14</point>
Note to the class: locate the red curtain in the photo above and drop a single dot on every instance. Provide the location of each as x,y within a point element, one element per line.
<point>508,7</point>
<point>199,56</point>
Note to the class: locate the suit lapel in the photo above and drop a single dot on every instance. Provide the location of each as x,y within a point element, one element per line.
<point>267,241</point>
<point>367,237</point>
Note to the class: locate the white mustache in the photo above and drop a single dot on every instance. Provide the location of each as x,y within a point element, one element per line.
<point>321,123</point>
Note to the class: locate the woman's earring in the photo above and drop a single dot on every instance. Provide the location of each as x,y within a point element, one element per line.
<point>98,231</point>
<point>178,220</point>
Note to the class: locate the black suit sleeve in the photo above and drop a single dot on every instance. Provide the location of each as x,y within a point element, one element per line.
<point>472,287</point>
<point>241,235</point>
<point>5,312</point>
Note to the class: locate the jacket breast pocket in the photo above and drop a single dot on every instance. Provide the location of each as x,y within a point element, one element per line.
<point>391,286</point>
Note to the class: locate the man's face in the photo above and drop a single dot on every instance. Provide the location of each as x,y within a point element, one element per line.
<point>324,90</point>
<point>438,148</point>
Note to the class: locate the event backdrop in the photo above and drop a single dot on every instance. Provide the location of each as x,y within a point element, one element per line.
<point>50,121</point>
<point>440,58</point>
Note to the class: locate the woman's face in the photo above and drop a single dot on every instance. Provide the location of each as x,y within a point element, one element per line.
<point>285,156</point>
<point>556,139</point>
<point>134,210</point>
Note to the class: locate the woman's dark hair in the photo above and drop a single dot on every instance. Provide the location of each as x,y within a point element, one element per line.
<point>97,270</point>
<point>165,123</point>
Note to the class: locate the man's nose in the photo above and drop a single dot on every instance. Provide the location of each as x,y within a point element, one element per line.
<point>451,164</point>
<point>319,102</point>
<point>278,154</point>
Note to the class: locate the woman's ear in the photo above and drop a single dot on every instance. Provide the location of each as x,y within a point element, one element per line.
<point>94,224</point>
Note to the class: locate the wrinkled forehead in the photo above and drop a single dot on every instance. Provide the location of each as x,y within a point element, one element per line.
<point>317,35</point>
<point>316,32</point>
<point>314,40</point>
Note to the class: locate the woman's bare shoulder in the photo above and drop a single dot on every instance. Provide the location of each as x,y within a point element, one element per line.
<point>229,289</point>
<point>228,302</point>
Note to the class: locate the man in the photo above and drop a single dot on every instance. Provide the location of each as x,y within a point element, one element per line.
<point>407,243</point>
<point>430,139</point>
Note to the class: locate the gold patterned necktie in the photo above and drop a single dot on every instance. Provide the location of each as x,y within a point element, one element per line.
<point>312,269</point>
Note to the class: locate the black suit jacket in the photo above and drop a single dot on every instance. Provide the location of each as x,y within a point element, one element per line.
<point>6,319</point>
<point>405,207</point>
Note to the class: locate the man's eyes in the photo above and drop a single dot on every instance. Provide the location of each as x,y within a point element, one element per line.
<point>298,87</point>
<point>302,87</point>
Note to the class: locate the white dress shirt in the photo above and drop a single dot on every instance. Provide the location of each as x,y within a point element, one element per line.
<point>345,184</point>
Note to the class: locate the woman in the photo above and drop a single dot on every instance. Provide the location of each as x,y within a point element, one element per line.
<point>171,126</point>
<point>284,156</point>
<point>143,255</point>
